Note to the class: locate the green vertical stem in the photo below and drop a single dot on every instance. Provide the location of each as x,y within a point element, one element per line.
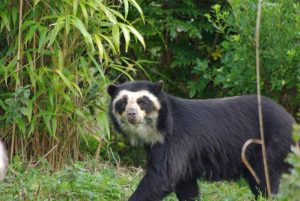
<point>36,142</point>
<point>17,71</point>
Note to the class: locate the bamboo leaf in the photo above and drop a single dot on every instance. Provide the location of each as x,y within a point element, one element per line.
<point>49,17</point>
<point>28,23</point>
<point>66,97</point>
<point>117,14</point>
<point>80,26</point>
<point>60,60</point>
<point>111,44</point>
<point>68,22</point>
<point>30,69</point>
<point>138,63</point>
<point>69,108</point>
<point>32,126</point>
<point>3,105</point>
<point>21,125</point>
<point>100,46</point>
<point>84,12</point>
<point>58,26</point>
<point>42,37</point>
<point>126,35</point>
<point>35,2</point>
<point>116,36</point>
<point>29,35</point>
<point>101,71</point>
<point>86,71</point>
<point>137,34</point>
<point>79,113</point>
<point>107,12</point>
<point>27,111</point>
<point>76,91</point>
<point>54,124</point>
<point>136,5</point>
<point>47,120</point>
<point>5,20</point>
<point>14,14</point>
<point>9,70</point>
<point>77,88</point>
<point>119,68</point>
<point>103,120</point>
<point>75,7</point>
<point>51,97</point>
<point>30,108</point>
<point>126,7</point>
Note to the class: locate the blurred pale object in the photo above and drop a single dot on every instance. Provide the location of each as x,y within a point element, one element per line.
<point>3,161</point>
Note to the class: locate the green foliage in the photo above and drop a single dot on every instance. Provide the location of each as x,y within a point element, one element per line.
<point>279,49</point>
<point>17,106</point>
<point>180,39</point>
<point>90,180</point>
<point>80,181</point>
<point>69,50</point>
<point>206,49</point>
<point>289,187</point>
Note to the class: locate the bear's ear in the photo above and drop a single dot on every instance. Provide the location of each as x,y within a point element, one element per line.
<point>112,89</point>
<point>159,86</point>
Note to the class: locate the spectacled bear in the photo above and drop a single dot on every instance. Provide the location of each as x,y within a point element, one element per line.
<point>190,139</point>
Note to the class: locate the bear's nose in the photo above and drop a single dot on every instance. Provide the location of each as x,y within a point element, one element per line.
<point>131,112</point>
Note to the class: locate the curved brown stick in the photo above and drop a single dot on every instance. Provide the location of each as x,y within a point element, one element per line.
<point>244,159</point>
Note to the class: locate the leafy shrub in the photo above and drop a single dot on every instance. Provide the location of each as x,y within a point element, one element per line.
<point>207,49</point>
<point>279,49</point>
<point>290,184</point>
<point>181,45</point>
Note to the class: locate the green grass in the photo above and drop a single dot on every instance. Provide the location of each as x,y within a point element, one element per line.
<point>223,191</point>
<point>96,181</point>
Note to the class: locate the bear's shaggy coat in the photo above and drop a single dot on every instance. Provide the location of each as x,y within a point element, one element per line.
<point>204,139</point>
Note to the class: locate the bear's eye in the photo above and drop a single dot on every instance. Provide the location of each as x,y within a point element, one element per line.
<point>145,104</point>
<point>141,102</point>
<point>120,105</point>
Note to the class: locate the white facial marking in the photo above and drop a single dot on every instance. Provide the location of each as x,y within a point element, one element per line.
<point>146,128</point>
<point>134,95</point>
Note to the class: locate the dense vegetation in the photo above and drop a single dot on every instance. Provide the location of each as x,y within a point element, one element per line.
<point>207,50</point>
<point>90,180</point>
<point>54,71</point>
<point>56,62</point>
<point>291,182</point>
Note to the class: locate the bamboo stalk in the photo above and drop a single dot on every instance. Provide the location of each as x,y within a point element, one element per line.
<point>260,115</point>
<point>97,154</point>
<point>37,148</point>
<point>20,37</point>
<point>12,141</point>
<point>17,72</point>
<point>45,155</point>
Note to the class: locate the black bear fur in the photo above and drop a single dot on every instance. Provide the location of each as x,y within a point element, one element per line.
<point>204,138</point>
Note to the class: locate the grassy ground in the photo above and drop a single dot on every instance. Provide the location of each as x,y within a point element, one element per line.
<point>94,181</point>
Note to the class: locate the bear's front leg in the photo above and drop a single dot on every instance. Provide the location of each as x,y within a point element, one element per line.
<point>153,187</point>
<point>165,168</point>
<point>187,190</point>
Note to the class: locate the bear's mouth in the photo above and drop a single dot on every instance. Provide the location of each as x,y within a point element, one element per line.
<point>133,121</point>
